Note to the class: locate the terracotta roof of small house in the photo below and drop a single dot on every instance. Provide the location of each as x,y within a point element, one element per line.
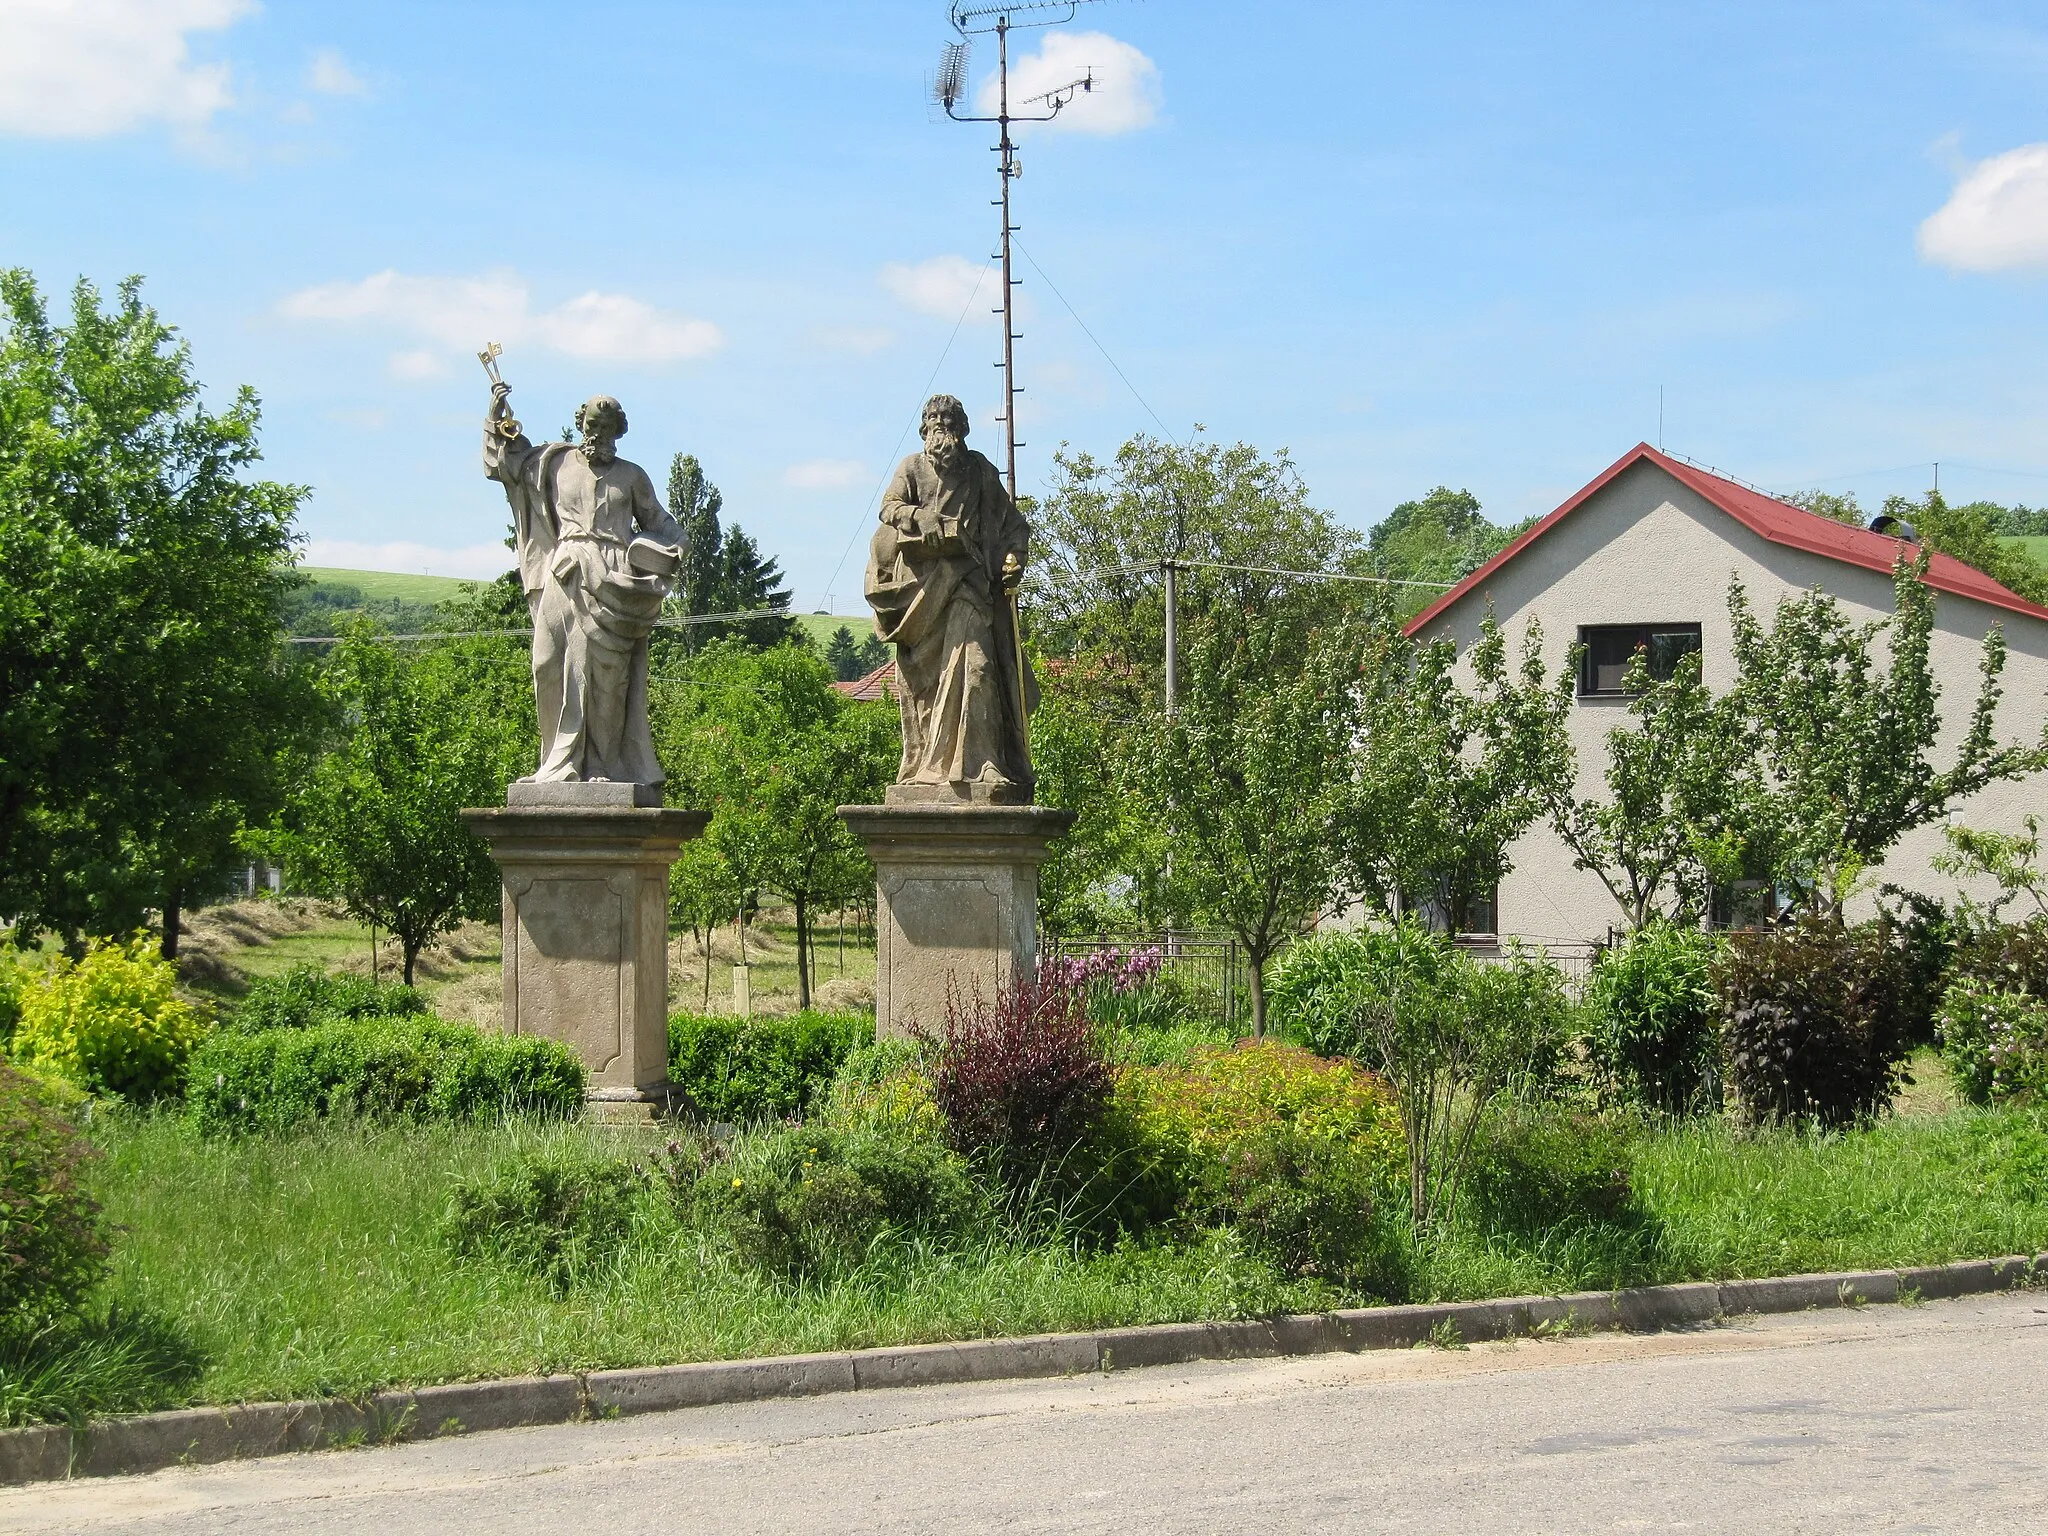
<point>1769,518</point>
<point>878,684</point>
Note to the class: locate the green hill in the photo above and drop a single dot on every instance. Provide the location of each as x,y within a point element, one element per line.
<point>392,586</point>
<point>2034,544</point>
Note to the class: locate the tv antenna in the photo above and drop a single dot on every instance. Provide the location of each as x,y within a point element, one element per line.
<point>949,88</point>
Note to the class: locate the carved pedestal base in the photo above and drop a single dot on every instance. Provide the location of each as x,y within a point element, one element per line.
<point>956,901</point>
<point>586,937</point>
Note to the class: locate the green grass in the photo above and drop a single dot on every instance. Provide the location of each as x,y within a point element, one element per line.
<point>383,586</point>
<point>314,1264</point>
<point>821,625</point>
<point>2033,544</point>
<point>1713,1205</point>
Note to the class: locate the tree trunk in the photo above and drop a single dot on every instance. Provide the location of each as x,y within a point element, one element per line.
<point>173,905</point>
<point>1256,965</point>
<point>412,950</point>
<point>803,968</point>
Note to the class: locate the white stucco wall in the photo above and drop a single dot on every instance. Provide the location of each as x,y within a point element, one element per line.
<point>1647,549</point>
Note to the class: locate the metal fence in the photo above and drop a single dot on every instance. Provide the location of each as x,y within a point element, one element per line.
<point>1206,969</point>
<point>1573,959</point>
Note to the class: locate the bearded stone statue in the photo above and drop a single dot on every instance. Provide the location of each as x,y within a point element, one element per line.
<point>597,551</point>
<point>942,569</point>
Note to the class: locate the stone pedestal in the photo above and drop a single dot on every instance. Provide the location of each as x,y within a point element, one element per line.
<point>956,901</point>
<point>586,929</point>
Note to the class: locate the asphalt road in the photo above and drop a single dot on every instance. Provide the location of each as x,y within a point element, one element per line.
<point>1930,1418</point>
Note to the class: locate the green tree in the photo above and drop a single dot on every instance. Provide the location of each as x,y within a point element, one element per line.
<point>1440,540</point>
<point>842,655</point>
<point>703,892</point>
<point>1448,775</point>
<point>374,821</point>
<point>144,694</point>
<point>1251,778</point>
<point>774,750</point>
<point>1666,831</point>
<point>1842,720</point>
<point>874,652</point>
<point>724,571</point>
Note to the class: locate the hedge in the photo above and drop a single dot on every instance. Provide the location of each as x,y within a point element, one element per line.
<point>410,1067</point>
<point>733,1070</point>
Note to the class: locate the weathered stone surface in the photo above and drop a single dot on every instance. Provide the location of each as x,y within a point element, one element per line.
<point>596,553</point>
<point>579,793</point>
<point>585,917</point>
<point>942,568</point>
<point>956,901</point>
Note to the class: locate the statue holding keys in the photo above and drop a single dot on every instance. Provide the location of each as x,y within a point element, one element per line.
<point>942,577</point>
<point>597,551</point>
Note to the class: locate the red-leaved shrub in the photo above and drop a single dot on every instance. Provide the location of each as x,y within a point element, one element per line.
<point>1022,1079</point>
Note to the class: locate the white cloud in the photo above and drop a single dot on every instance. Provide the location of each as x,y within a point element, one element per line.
<point>1996,218</point>
<point>825,474</point>
<point>420,363</point>
<point>473,562</point>
<point>85,68</point>
<point>945,286</point>
<point>465,312</point>
<point>330,75</point>
<point>1126,90</point>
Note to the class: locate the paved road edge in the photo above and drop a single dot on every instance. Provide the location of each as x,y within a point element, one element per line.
<point>192,1436</point>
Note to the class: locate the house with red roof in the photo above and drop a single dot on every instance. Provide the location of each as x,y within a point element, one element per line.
<point>1642,559</point>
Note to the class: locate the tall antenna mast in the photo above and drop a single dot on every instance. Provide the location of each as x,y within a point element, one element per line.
<point>949,87</point>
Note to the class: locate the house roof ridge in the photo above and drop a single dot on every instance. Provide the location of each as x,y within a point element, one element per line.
<point>1766,515</point>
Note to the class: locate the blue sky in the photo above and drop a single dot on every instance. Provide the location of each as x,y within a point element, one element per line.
<point>1412,243</point>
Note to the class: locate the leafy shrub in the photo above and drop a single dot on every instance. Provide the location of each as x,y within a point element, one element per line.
<point>10,997</point>
<point>809,1201</point>
<point>415,1067</point>
<point>1535,1168</point>
<point>51,1247</point>
<point>1924,940</point>
<point>734,1070</point>
<point>1313,1209</point>
<point>1654,1035</point>
<point>1022,1080</point>
<point>110,1023</point>
<point>1317,995</point>
<point>2012,957</point>
<point>1225,1096</point>
<point>553,1214</point>
<point>306,995</point>
<point>1994,1042</point>
<point>1297,1152</point>
<point>1811,1032</point>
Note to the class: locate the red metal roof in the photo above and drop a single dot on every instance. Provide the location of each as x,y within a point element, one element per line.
<point>878,684</point>
<point>1767,517</point>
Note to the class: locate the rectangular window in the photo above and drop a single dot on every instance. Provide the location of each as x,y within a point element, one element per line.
<point>1469,917</point>
<point>1610,648</point>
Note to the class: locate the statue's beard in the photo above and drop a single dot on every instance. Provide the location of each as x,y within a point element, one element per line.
<point>946,453</point>
<point>598,451</point>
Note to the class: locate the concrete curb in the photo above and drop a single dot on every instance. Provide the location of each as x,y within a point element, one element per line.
<point>191,1436</point>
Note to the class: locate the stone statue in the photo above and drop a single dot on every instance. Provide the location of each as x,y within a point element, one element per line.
<point>942,571</point>
<point>596,553</point>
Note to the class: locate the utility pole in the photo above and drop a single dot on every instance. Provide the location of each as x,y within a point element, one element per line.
<point>1168,569</point>
<point>949,87</point>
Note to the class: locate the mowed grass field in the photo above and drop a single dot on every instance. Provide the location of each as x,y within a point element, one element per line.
<point>2034,544</point>
<point>382,586</point>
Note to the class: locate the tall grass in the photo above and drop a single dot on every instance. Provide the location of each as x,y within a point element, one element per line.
<point>314,1264</point>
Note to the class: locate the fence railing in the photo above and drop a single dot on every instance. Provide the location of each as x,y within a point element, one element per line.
<point>1207,969</point>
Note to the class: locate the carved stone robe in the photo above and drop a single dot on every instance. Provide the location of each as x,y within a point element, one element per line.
<point>947,615</point>
<point>592,611</point>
